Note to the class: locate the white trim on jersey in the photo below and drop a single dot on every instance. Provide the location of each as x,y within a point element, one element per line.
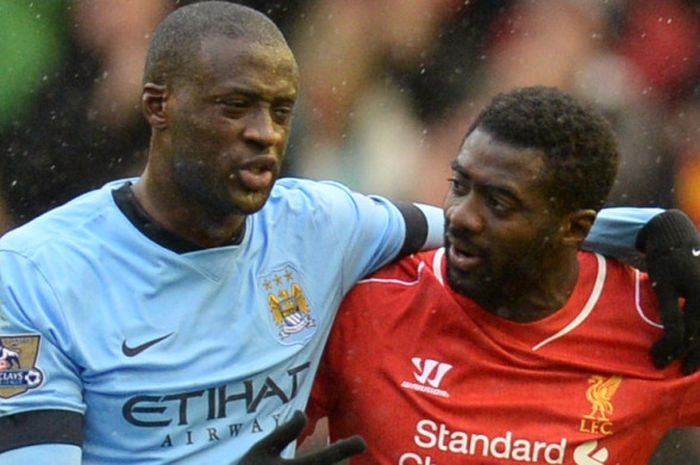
<point>437,265</point>
<point>637,303</point>
<point>587,309</point>
<point>580,318</point>
<point>421,265</point>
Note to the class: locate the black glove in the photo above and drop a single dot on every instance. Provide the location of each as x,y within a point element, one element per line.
<point>267,450</point>
<point>672,245</point>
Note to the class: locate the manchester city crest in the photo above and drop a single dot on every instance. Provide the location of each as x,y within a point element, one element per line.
<point>288,306</point>
<point>18,371</point>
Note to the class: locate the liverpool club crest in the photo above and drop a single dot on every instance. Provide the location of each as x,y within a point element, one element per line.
<point>290,309</point>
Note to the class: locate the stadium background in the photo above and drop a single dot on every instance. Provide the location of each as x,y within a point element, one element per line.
<point>388,89</point>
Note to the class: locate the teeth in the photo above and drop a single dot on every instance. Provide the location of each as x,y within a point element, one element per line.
<point>257,169</point>
<point>463,252</point>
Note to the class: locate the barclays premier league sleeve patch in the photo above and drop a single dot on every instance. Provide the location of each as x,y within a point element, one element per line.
<point>18,370</point>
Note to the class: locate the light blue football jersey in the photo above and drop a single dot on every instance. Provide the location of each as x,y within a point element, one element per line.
<point>181,358</point>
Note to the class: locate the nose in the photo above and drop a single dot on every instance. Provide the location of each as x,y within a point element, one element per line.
<point>261,129</point>
<point>466,213</point>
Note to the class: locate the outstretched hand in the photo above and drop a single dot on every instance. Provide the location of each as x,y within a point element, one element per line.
<point>267,450</point>
<point>672,245</point>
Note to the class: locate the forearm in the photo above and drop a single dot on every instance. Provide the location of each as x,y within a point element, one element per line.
<point>425,226</point>
<point>615,230</point>
<point>435,218</point>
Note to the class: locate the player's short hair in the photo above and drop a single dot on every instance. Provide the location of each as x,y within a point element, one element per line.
<point>579,145</point>
<point>178,38</point>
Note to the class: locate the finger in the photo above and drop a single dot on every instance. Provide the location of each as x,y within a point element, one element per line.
<point>672,344</point>
<point>691,314</point>
<point>283,434</point>
<point>691,362</point>
<point>334,453</point>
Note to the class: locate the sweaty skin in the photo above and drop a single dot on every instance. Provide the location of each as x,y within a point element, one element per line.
<point>219,139</point>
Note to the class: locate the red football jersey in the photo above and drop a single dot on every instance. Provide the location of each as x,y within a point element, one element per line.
<point>430,378</point>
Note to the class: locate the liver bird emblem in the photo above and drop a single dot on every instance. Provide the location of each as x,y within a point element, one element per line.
<point>600,394</point>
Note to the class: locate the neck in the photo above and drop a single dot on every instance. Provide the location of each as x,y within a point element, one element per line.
<point>538,296</point>
<point>181,215</point>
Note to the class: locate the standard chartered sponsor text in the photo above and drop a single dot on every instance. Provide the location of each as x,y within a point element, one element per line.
<point>432,436</point>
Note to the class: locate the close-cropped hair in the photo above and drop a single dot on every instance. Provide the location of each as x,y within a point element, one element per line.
<point>178,38</point>
<point>579,146</point>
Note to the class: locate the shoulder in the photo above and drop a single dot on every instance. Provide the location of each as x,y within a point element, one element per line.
<point>298,192</point>
<point>309,186</point>
<point>618,275</point>
<point>396,293</point>
<point>399,279</point>
<point>609,268</point>
<point>328,204</point>
<point>70,226</point>
<point>626,289</point>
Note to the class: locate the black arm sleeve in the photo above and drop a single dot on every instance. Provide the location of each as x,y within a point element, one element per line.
<point>40,427</point>
<point>416,228</point>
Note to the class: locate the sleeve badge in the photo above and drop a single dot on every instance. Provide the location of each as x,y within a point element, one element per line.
<point>18,370</point>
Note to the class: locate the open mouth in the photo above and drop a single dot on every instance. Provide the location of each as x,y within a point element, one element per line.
<point>463,259</point>
<point>258,174</point>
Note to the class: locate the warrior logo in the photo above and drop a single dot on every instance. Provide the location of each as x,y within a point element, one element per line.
<point>427,368</point>
<point>17,360</point>
<point>286,300</point>
<point>600,394</point>
<point>429,375</point>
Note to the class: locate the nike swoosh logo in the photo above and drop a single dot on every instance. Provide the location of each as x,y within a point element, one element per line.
<point>696,252</point>
<point>133,351</point>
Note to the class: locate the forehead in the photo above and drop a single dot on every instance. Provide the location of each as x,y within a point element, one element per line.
<point>228,62</point>
<point>485,159</point>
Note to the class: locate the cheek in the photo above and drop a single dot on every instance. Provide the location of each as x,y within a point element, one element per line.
<point>210,128</point>
<point>515,244</point>
<point>450,206</point>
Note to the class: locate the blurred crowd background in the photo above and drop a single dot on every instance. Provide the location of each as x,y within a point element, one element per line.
<point>388,89</point>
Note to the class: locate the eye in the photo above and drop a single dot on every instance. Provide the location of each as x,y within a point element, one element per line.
<point>235,107</point>
<point>282,113</point>
<point>458,187</point>
<point>499,204</point>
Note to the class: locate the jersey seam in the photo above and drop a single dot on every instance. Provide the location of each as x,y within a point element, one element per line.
<point>72,231</point>
<point>638,303</point>
<point>587,309</point>
<point>53,293</point>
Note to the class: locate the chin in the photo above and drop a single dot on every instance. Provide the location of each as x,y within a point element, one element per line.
<point>251,202</point>
<point>472,285</point>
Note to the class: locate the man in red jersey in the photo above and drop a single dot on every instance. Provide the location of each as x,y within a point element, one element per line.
<point>509,345</point>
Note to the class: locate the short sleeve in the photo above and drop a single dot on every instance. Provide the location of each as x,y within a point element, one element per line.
<point>614,233</point>
<point>36,372</point>
<point>371,229</point>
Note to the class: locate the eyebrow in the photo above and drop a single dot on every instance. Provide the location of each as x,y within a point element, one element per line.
<point>487,187</point>
<point>455,167</point>
<point>251,93</point>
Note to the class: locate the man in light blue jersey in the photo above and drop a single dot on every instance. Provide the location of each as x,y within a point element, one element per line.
<point>179,317</point>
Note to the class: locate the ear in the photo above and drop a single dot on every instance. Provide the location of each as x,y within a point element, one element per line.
<point>576,226</point>
<point>153,104</point>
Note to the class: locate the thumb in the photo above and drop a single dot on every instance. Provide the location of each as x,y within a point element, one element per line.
<point>672,343</point>
<point>283,434</point>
